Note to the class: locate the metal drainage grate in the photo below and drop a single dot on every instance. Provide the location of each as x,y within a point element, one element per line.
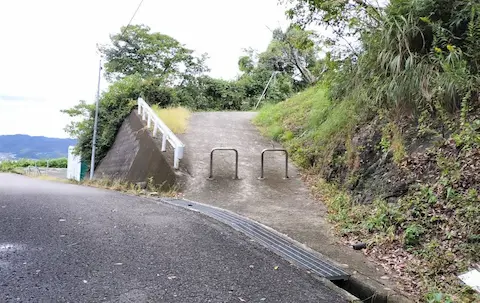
<point>278,244</point>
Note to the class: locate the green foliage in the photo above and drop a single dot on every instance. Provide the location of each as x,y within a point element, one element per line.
<point>392,141</point>
<point>174,76</point>
<point>436,297</point>
<point>309,125</point>
<point>433,229</point>
<point>11,165</point>
<point>293,51</point>
<point>409,55</point>
<point>382,216</point>
<point>412,234</point>
<point>114,106</point>
<point>413,64</point>
<point>341,16</point>
<point>153,90</point>
<point>206,93</point>
<point>292,56</point>
<point>153,55</point>
<point>246,64</point>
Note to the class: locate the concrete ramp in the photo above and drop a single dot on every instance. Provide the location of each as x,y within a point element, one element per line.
<point>234,129</point>
<point>285,205</point>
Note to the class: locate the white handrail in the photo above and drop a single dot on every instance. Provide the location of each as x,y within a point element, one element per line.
<point>147,113</point>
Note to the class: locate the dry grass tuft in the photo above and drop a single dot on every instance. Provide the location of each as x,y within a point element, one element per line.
<point>176,118</point>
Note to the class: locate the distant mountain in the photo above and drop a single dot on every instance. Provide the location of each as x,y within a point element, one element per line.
<point>24,146</point>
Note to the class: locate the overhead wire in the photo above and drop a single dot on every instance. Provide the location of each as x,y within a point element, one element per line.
<point>133,16</point>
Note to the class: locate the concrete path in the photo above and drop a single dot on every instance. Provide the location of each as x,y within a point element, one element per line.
<point>283,204</point>
<point>67,243</point>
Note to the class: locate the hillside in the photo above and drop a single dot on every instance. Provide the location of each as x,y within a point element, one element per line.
<point>409,193</point>
<point>33,147</point>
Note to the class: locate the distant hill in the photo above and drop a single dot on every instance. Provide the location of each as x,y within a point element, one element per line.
<point>33,147</point>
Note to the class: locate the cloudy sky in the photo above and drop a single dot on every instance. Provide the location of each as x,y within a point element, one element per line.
<point>48,58</point>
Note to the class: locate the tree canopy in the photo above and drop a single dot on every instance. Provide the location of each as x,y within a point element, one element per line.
<point>155,66</point>
<point>152,55</point>
<point>414,55</point>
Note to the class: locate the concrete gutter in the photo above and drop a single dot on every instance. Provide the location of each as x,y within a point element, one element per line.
<point>358,287</point>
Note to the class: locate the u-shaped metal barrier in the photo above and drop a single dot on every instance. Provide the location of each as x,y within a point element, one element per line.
<point>273,150</point>
<point>210,177</point>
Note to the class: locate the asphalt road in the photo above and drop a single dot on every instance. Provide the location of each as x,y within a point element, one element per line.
<point>67,243</point>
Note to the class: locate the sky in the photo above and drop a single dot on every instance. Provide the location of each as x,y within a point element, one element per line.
<point>48,57</point>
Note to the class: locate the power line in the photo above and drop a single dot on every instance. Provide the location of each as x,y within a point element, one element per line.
<point>133,16</point>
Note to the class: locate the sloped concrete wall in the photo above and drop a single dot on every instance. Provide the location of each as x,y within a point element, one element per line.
<point>135,156</point>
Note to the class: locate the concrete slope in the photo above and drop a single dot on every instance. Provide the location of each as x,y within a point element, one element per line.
<point>275,201</point>
<point>283,204</point>
<point>234,129</point>
<point>136,156</point>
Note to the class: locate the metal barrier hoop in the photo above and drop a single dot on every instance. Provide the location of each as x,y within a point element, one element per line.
<point>210,177</point>
<point>262,177</point>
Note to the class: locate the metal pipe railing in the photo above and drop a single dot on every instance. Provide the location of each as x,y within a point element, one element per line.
<point>210,177</point>
<point>148,114</point>
<point>263,158</point>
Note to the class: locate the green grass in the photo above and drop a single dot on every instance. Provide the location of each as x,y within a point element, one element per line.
<point>308,124</point>
<point>176,118</point>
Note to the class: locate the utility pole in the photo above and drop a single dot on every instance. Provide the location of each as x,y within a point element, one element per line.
<point>94,140</point>
<point>266,87</point>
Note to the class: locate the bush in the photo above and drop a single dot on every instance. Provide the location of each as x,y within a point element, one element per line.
<point>114,106</point>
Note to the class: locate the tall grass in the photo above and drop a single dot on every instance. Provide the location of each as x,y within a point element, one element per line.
<point>176,118</point>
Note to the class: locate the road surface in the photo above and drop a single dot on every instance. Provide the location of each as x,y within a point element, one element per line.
<point>68,243</point>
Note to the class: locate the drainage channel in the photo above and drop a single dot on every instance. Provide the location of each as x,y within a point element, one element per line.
<point>278,244</point>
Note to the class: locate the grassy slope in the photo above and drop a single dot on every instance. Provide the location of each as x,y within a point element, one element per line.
<point>412,230</point>
<point>308,124</point>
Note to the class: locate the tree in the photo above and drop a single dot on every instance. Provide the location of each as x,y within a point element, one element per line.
<point>296,51</point>
<point>246,64</point>
<point>114,106</point>
<point>291,55</point>
<point>292,52</point>
<point>413,56</point>
<point>152,55</point>
<point>342,16</point>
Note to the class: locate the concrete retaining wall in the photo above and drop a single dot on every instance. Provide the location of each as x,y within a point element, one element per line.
<point>135,156</point>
